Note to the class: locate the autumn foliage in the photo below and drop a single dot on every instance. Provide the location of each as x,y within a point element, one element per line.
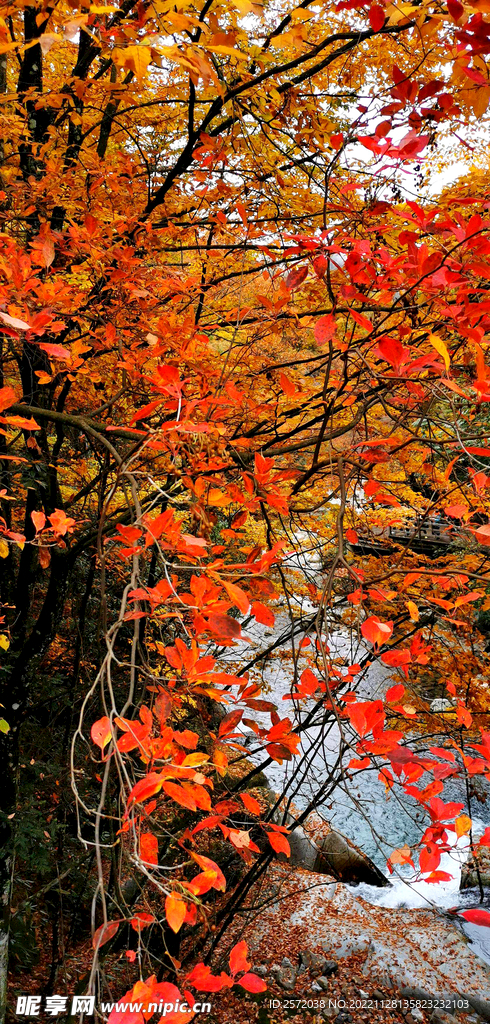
<point>239,320</point>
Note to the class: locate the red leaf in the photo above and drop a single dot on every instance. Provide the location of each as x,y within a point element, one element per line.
<point>238,958</point>
<point>7,398</point>
<point>351,536</point>
<point>104,933</point>
<point>250,803</point>
<point>145,788</point>
<point>263,614</point>
<point>336,141</point>
<point>320,265</point>
<point>252,983</point>
<point>279,843</point>
<point>396,658</point>
<point>392,351</point>
<point>377,16</point>
<point>12,321</point>
<point>142,920</point>
<point>228,723</point>
<point>456,10</point>
<point>296,277</point>
<point>395,692</point>
<point>148,848</point>
<point>101,731</point>
<point>477,916</point>
<point>225,627</point>
<point>325,329</point>
<point>202,978</point>
<point>56,351</point>
<point>375,631</point>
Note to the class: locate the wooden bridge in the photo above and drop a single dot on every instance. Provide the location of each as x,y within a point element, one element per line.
<point>423,535</point>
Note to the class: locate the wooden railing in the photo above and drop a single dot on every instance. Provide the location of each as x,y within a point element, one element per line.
<point>436,532</point>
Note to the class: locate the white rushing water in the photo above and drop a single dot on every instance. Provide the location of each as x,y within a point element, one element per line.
<point>410,890</point>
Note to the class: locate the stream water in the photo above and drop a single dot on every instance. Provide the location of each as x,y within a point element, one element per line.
<point>357,805</point>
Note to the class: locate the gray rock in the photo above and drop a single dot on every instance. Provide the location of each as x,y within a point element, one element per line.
<point>323,981</point>
<point>346,862</point>
<point>416,1013</point>
<point>304,852</point>
<point>441,1017</point>
<point>330,967</point>
<point>343,1017</point>
<point>441,704</point>
<point>315,963</point>
<point>261,970</point>
<point>353,944</point>
<point>316,987</point>
<point>285,975</point>
<point>477,864</point>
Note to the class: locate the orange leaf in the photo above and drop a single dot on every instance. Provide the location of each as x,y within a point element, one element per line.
<point>279,843</point>
<point>263,614</point>
<point>39,519</point>
<point>7,398</point>
<point>250,803</point>
<point>175,911</point>
<point>148,848</point>
<point>375,631</point>
<point>287,385</point>
<point>237,595</point>
<point>483,535</point>
<point>180,795</point>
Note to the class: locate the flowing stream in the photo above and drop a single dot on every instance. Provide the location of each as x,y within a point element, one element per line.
<point>357,804</point>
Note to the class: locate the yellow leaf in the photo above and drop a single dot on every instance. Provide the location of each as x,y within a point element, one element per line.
<point>462,825</point>
<point>4,549</point>
<point>228,51</point>
<point>440,347</point>
<point>193,760</point>
<point>175,911</point>
<point>4,642</point>
<point>136,58</point>
<point>413,611</point>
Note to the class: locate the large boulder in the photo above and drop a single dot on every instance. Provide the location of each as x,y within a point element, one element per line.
<point>348,864</point>
<point>477,864</point>
<point>316,847</point>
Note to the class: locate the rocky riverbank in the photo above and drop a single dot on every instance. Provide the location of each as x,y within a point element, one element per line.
<point>327,955</point>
